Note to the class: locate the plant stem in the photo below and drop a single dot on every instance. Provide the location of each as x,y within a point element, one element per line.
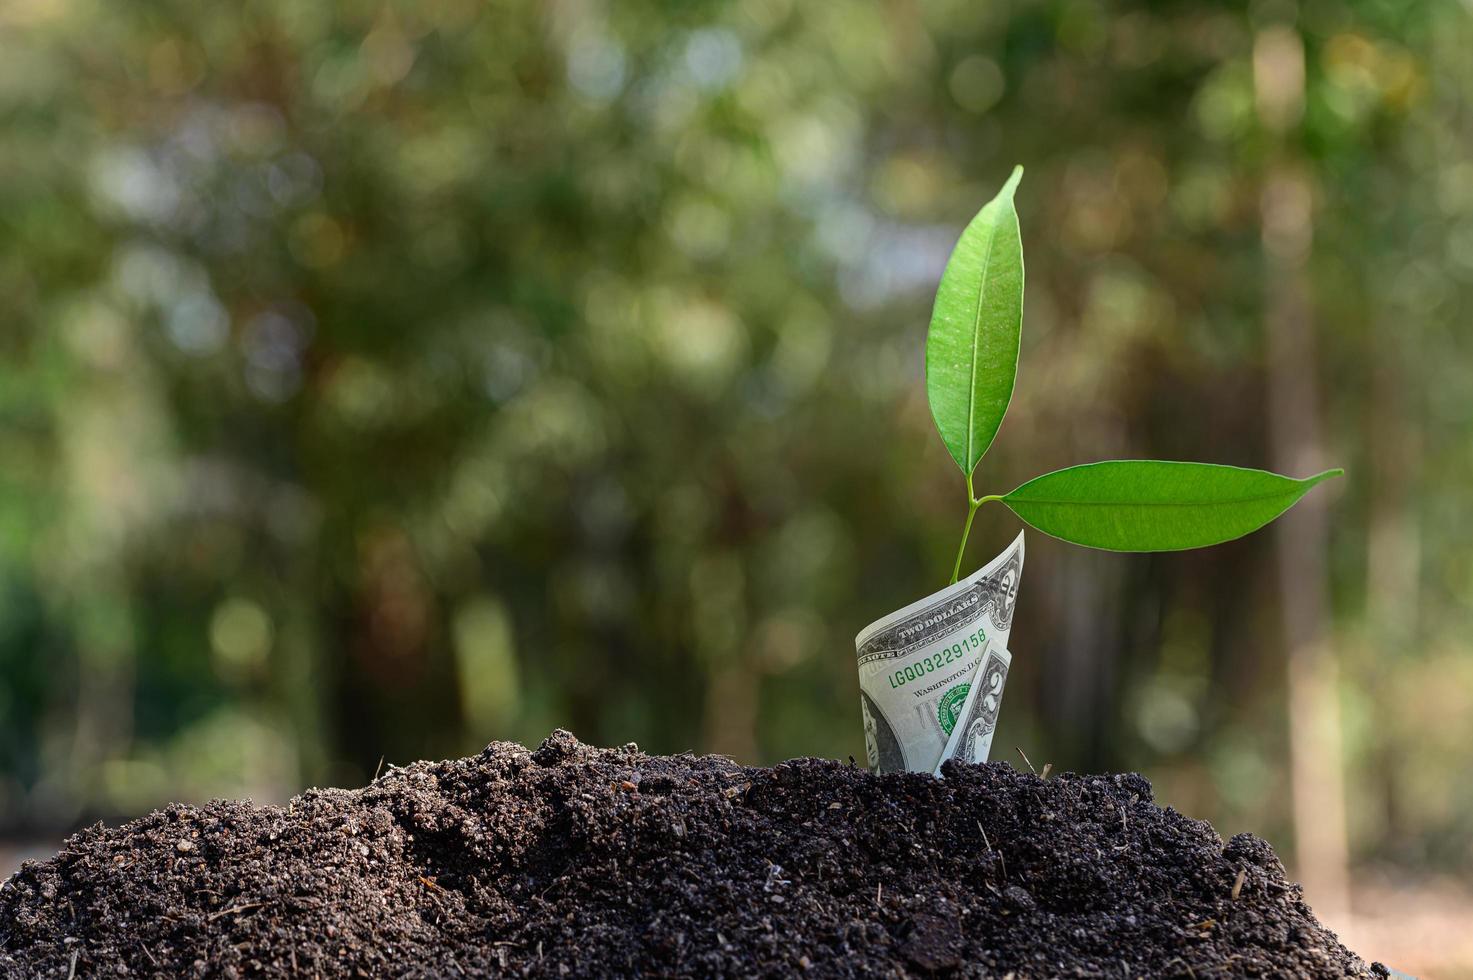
<point>972,506</point>
<point>973,502</point>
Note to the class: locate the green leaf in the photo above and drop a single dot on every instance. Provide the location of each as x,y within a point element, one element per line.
<point>972,346</point>
<point>1149,505</point>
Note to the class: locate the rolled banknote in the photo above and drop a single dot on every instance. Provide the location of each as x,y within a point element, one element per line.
<point>916,665</point>
<point>971,738</point>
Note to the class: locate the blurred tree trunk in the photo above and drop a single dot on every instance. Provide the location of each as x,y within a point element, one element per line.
<point>1393,553</point>
<point>719,618</point>
<point>106,680</point>
<point>1087,594</point>
<point>1394,546</point>
<point>1294,430</point>
<point>731,713</point>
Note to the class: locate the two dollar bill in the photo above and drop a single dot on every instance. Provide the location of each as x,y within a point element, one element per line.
<point>931,675</point>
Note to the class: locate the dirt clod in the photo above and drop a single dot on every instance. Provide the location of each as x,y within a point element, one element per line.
<point>547,863</point>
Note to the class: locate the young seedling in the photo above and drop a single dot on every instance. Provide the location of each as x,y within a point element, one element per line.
<point>1116,505</point>
<point>932,674</point>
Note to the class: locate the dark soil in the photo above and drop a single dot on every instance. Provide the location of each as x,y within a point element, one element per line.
<point>575,861</point>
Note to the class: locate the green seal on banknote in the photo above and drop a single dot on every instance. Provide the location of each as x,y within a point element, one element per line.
<point>950,707</point>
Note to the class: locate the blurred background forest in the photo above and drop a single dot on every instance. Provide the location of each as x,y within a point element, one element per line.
<point>382,380</point>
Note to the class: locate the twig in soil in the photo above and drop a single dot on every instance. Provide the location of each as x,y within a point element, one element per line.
<point>1000,858</point>
<point>1048,767</point>
<point>234,908</point>
<point>1025,759</point>
<point>1238,883</point>
<point>1124,827</point>
<point>879,893</point>
<point>1178,959</point>
<point>377,769</point>
<point>72,970</point>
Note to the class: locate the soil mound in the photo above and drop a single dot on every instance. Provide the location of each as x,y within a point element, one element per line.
<point>576,861</point>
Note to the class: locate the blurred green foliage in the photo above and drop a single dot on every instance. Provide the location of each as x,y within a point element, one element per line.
<point>380,379</point>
